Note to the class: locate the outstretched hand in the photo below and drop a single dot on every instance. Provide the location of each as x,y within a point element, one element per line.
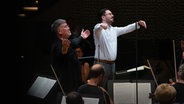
<point>85,33</point>
<point>104,25</point>
<point>142,23</point>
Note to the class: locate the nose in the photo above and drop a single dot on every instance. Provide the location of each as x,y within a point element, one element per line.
<point>112,15</point>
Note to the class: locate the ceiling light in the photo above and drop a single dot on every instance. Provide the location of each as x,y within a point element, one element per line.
<point>21,15</point>
<point>31,8</point>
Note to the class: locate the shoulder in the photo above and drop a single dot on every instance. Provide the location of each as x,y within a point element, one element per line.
<point>178,84</point>
<point>97,25</point>
<point>82,86</point>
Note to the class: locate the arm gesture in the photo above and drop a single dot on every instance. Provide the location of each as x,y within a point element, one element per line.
<point>142,23</point>
<point>85,33</point>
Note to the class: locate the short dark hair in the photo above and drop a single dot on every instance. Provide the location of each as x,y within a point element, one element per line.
<point>101,13</point>
<point>74,98</point>
<point>79,46</point>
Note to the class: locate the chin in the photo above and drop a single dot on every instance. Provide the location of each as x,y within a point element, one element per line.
<point>111,21</point>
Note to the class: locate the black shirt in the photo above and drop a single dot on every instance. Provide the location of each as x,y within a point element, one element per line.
<point>180,92</point>
<point>94,92</point>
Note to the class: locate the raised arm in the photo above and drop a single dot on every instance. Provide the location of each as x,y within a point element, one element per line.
<point>84,34</point>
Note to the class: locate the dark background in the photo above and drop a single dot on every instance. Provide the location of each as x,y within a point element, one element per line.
<point>164,18</point>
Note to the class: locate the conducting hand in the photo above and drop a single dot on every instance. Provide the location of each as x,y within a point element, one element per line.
<point>85,33</point>
<point>142,23</point>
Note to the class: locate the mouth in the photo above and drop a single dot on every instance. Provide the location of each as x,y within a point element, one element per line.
<point>112,19</point>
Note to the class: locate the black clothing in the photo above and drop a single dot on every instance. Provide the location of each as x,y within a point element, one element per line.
<point>180,92</point>
<point>67,66</point>
<point>75,41</point>
<point>179,59</point>
<point>94,92</point>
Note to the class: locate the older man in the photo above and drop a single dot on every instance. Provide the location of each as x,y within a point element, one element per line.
<point>63,56</point>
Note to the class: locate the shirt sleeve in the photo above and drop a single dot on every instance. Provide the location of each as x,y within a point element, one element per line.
<point>97,29</point>
<point>76,41</point>
<point>127,29</point>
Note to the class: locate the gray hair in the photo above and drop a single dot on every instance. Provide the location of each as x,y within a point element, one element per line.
<point>56,24</point>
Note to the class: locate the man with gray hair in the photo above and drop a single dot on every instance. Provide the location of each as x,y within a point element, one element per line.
<point>63,56</point>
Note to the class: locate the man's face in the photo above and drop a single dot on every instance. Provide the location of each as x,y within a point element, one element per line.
<point>182,45</point>
<point>64,31</point>
<point>108,17</point>
<point>79,52</point>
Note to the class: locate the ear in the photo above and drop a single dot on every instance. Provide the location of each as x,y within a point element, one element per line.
<point>59,31</point>
<point>103,17</point>
<point>59,34</point>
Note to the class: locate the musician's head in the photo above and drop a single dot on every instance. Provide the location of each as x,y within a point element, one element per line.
<point>74,98</point>
<point>96,73</point>
<point>165,94</point>
<point>181,72</point>
<point>79,51</point>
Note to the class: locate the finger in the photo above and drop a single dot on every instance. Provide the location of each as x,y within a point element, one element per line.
<point>61,38</point>
<point>145,24</point>
<point>87,31</point>
<point>142,23</point>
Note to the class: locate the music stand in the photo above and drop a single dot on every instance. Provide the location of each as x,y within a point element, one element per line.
<point>87,100</point>
<point>41,87</point>
<point>124,91</point>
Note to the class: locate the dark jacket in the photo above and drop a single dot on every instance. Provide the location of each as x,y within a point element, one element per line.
<point>67,66</point>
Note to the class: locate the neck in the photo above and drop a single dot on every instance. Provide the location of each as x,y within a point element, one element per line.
<point>107,23</point>
<point>92,82</point>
